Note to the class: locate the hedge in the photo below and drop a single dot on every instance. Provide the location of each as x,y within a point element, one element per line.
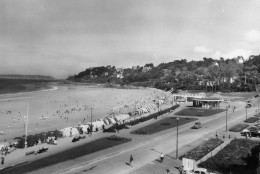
<point>115,127</point>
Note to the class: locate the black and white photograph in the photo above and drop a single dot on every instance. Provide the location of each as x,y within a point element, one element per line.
<point>129,86</point>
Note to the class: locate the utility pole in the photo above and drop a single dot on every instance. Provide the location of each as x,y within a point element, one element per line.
<point>172,101</point>
<point>158,106</point>
<point>26,128</point>
<point>258,105</point>
<point>177,138</point>
<point>91,127</point>
<point>226,117</point>
<point>134,112</point>
<point>246,111</point>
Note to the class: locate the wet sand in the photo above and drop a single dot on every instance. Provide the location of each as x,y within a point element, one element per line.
<point>66,106</point>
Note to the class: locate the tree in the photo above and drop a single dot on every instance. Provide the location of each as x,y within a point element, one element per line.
<point>229,69</point>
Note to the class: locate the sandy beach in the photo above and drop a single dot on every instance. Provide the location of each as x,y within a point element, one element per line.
<point>66,106</point>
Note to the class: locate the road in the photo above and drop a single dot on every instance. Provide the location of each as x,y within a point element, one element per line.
<point>145,149</point>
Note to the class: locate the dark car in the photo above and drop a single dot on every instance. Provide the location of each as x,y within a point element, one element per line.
<point>42,150</point>
<point>197,125</point>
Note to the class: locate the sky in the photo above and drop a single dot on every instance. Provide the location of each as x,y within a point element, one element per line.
<point>64,37</point>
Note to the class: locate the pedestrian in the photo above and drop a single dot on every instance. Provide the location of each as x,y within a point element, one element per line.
<point>162,157</point>
<point>246,135</point>
<point>223,137</point>
<point>167,171</point>
<point>250,135</point>
<point>103,127</point>
<point>131,160</point>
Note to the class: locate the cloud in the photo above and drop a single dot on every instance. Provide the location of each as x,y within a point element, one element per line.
<point>202,49</point>
<point>232,54</point>
<point>252,36</point>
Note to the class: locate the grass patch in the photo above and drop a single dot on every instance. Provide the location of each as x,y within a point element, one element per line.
<point>88,148</point>
<point>240,156</point>
<point>200,151</point>
<point>252,119</point>
<point>238,127</point>
<point>162,125</point>
<point>245,95</point>
<point>199,112</point>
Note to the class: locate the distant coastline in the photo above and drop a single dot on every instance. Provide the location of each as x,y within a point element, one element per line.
<point>49,88</point>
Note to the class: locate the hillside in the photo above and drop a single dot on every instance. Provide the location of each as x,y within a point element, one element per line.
<point>236,74</point>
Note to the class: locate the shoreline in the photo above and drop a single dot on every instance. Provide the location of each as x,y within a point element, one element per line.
<point>53,88</point>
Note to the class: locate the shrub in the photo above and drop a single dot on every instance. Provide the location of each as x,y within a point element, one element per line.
<point>137,121</point>
<point>251,120</point>
<point>200,151</point>
<point>31,140</point>
<point>238,127</point>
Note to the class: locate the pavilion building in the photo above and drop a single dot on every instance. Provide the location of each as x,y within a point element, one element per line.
<point>207,102</point>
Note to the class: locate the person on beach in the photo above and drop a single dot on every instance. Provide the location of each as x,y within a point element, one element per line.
<point>162,157</point>
<point>131,160</point>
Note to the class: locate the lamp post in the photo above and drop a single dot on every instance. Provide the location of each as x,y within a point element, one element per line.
<point>26,128</point>
<point>246,111</point>
<point>158,106</point>
<point>226,117</point>
<point>177,138</point>
<point>258,106</point>
<point>91,126</point>
<point>172,101</point>
<point>135,110</point>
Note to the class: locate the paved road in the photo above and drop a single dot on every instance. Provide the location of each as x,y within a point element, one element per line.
<point>145,149</point>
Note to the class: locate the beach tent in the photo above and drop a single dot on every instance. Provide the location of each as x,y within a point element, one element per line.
<point>98,123</point>
<point>74,131</point>
<point>144,110</point>
<point>111,120</point>
<point>106,121</point>
<point>139,111</point>
<point>65,132</point>
<point>3,145</point>
<point>83,128</point>
<point>69,131</point>
<point>121,117</point>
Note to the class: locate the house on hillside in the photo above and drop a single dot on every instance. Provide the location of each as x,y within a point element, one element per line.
<point>167,72</point>
<point>135,67</point>
<point>119,73</point>
<point>177,71</point>
<point>146,69</point>
<point>119,70</point>
<point>106,74</point>
<point>231,80</point>
<point>120,76</point>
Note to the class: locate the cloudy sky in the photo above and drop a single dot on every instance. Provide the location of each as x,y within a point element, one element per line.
<point>64,37</point>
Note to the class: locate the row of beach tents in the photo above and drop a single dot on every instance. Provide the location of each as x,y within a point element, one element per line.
<point>145,109</point>
<point>83,128</point>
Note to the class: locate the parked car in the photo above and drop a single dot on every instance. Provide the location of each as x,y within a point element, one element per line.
<point>253,131</point>
<point>199,171</point>
<point>244,132</point>
<point>197,125</point>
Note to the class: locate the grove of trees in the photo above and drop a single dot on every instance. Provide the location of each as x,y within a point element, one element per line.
<point>236,74</point>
